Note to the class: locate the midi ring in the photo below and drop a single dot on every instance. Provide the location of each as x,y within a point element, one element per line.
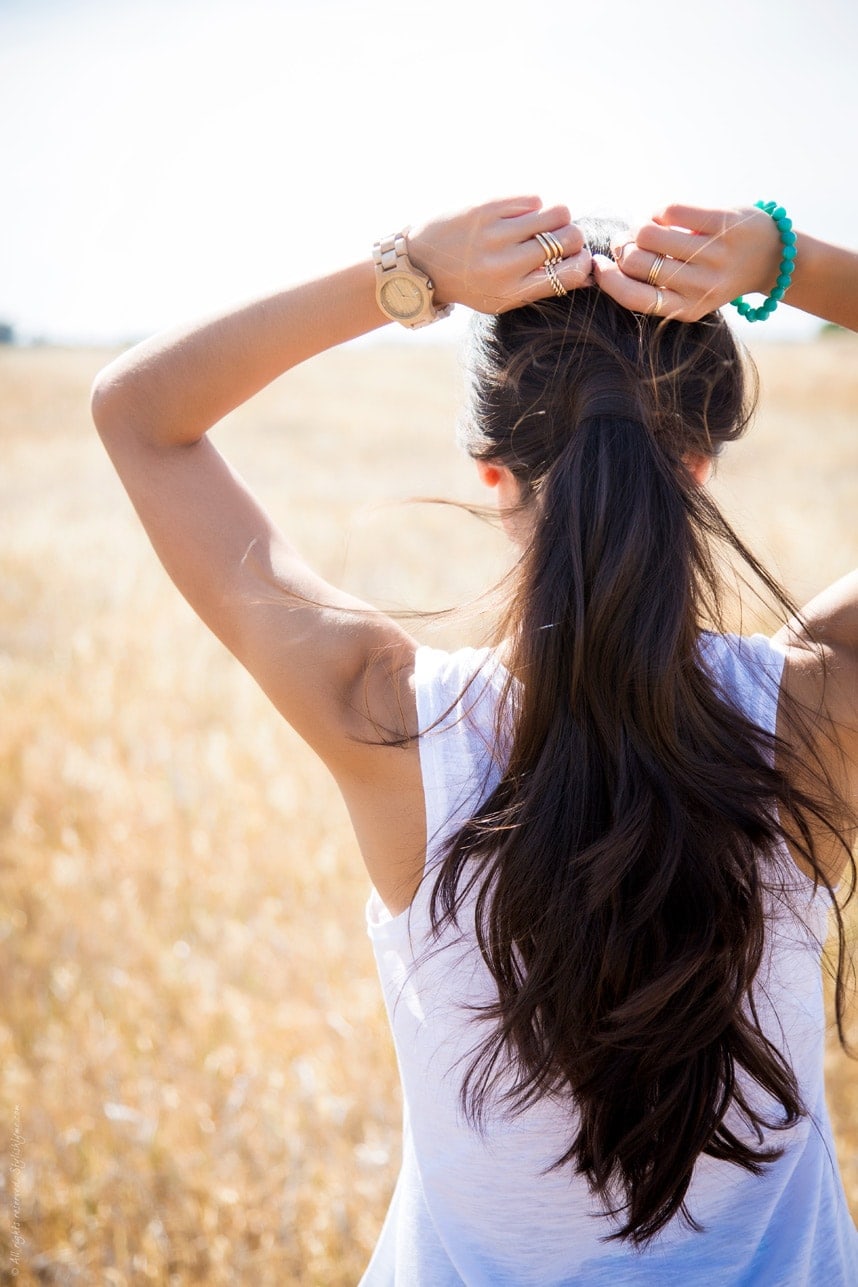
<point>556,284</point>
<point>659,300</point>
<point>654,271</point>
<point>551,247</point>
<point>620,251</point>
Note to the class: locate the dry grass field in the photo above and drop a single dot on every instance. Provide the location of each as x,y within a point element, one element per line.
<point>196,1081</point>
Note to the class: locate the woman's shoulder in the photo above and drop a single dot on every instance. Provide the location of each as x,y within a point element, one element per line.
<point>800,683</point>
<point>821,648</point>
<point>451,686</point>
<point>818,711</point>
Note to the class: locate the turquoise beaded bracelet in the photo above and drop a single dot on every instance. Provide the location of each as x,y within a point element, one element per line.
<point>787,264</point>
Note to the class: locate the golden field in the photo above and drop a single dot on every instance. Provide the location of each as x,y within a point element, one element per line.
<point>196,1080</point>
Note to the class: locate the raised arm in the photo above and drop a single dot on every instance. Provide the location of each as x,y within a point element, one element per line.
<point>314,649</point>
<point>713,256</point>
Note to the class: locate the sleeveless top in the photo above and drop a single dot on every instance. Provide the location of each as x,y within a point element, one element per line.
<point>483,1208</point>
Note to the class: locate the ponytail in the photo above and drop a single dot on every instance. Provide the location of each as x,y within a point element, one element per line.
<point>619,864</point>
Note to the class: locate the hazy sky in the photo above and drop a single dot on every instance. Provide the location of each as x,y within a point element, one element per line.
<point>163,157</point>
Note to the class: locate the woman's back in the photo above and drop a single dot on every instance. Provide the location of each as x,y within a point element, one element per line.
<point>649,1008</point>
<point>487,1208</point>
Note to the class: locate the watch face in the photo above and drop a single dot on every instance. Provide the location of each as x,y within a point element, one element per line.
<point>401,296</point>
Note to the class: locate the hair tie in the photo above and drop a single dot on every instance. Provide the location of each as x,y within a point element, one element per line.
<point>787,264</point>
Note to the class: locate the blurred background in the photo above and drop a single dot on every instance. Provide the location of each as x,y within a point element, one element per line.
<point>196,1079</point>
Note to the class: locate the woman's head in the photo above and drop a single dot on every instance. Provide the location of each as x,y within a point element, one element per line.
<point>540,371</point>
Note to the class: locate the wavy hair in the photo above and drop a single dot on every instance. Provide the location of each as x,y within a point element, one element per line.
<point>619,867</point>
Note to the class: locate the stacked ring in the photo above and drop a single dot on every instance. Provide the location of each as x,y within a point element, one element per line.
<point>553,255</point>
<point>551,246</point>
<point>654,271</point>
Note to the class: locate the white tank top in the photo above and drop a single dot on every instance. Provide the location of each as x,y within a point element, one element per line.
<point>483,1209</point>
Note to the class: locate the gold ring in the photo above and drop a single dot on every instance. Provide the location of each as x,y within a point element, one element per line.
<point>654,271</point>
<point>620,251</point>
<point>549,249</point>
<point>659,300</point>
<point>555,242</point>
<point>556,284</point>
<point>548,253</point>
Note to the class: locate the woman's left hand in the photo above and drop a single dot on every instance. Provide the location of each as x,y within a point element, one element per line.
<point>488,257</point>
<point>689,261</point>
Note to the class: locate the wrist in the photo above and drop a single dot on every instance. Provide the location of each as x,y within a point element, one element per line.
<point>405,292</point>
<point>770,254</point>
<point>825,283</point>
<point>780,220</point>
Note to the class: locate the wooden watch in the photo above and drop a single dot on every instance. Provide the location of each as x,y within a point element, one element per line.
<point>403,292</point>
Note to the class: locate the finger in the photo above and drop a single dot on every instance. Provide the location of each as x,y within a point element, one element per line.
<point>619,248</point>
<point>576,270</point>
<point>687,296</point>
<point>694,219</point>
<point>685,277</point>
<point>512,207</point>
<point>633,294</point>
<point>655,269</point>
<point>531,254</point>
<point>522,227</point>
<point>573,273</point>
<point>669,241</point>
<point>651,238</point>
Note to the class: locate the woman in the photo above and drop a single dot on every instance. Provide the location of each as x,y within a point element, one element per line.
<point>602,854</point>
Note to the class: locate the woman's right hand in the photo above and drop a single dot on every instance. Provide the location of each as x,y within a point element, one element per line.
<point>711,256</point>
<point>488,259</point>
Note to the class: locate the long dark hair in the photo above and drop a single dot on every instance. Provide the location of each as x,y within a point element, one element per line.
<point>619,867</point>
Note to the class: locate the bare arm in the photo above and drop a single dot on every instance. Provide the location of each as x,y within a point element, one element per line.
<point>336,669</point>
<point>303,640</point>
<point>828,632</point>
<point>325,659</point>
<point>169,390</point>
<point>825,282</point>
